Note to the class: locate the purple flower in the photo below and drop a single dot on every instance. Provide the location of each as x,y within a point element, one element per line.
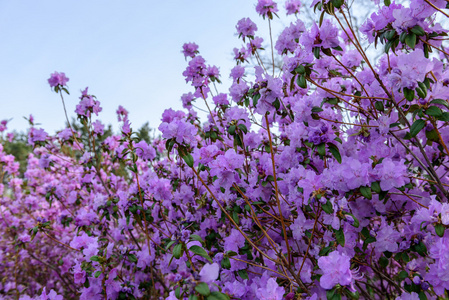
<point>292,6</point>
<point>190,49</point>
<point>237,72</point>
<point>270,291</point>
<point>121,113</point>
<point>209,272</point>
<point>234,241</point>
<point>221,99</point>
<point>37,135</point>
<point>57,79</point>
<point>246,28</point>
<point>387,238</point>
<point>266,8</point>
<point>187,100</point>
<point>336,270</point>
<point>145,151</point>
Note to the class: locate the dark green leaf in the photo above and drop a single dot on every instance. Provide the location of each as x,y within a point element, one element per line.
<point>440,101</point>
<point>410,40</point>
<point>97,274</point>
<point>379,105</point>
<point>201,252</point>
<point>416,127</point>
<point>444,117</point>
<point>421,93</point>
<point>243,128</point>
<point>300,69</point>
<point>132,258</point>
<point>231,129</point>
<point>316,52</point>
<point>383,261</point>
<point>226,263</point>
<point>434,111</point>
<point>217,296</point>
<point>203,289</point>
<point>189,160</point>
<point>321,149</point>
<point>327,207</point>
<point>366,192</point>
<point>301,81</point>
<point>340,237</point>
<point>335,152</point>
<point>243,274</point>
<point>177,251</point>
<point>195,237</point>
<point>402,275</point>
<point>316,109</point>
<point>408,94</point>
<point>95,258</point>
<point>421,249</point>
<point>418,30</point>
<point>439,229</point>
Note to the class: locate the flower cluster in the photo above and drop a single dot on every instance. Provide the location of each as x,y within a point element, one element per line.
<point>322,178</point>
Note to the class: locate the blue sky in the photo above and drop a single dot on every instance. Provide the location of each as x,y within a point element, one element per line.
<point>127,52</point>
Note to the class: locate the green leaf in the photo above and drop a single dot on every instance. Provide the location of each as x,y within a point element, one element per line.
<point>301,81</point>
<point>195,237</point>
<point>440,101</point>
<point>243,128</point>
<point>434,111</point>
<point>231,129</point>
<point>177,251</point>
<point>335,152</point>
<point>95,258</point>
<point>410,40</point>
<point>189,160</point>
<point>439,229</point>
<point>408,94</point>
<point>421,93</point>
<point>327,207</point>
<point>387,2</point>
<point>300,69</point>
<point>416,127</point>
<point>444,117</point>
<point>402,275</point>
<point>201,252</point>
<point>243,274</point>
<point>217,296</point>
<point>203,289</point>
<point>383,261</point>
<point>316,109</point>
<point>421,249</point>
<point>366,192</point>
<point>337,3</point>
<point>316,52</point>
<point>321,149</point>
<point>226,263</point>
<point>132,258</point>
<point>97,274</point>
<point>379,105</point>
<point>340,237</point>
<point>418,30</point>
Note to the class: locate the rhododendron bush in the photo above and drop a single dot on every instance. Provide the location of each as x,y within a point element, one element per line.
<point>326,179</point>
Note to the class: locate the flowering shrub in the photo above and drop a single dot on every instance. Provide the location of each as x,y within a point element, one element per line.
<point>327,181</point>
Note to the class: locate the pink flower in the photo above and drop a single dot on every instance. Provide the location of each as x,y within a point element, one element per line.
<point>57,79</point>
<point>335,269</point>
<point>209,272</point>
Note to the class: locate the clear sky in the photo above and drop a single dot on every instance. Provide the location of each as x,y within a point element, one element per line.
<point>126,52</point>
